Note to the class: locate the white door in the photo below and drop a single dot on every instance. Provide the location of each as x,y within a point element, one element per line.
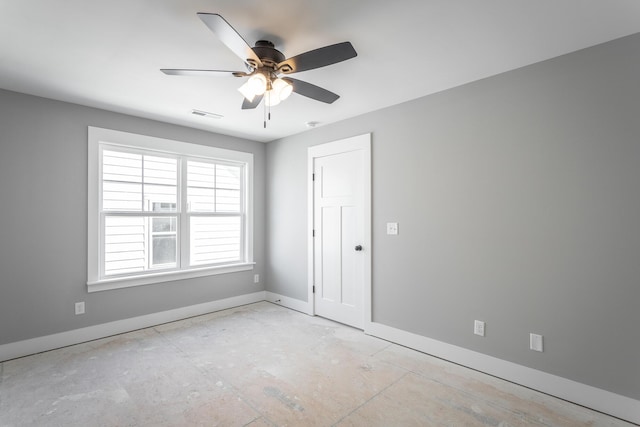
<point>341,229</point>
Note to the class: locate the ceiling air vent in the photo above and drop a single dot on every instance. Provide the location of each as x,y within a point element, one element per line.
<point>206,114</point>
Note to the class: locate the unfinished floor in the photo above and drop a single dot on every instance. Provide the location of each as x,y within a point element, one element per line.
<point>264,365</point>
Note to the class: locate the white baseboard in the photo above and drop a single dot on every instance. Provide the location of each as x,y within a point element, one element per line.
<point>292,303</point>
<point>76,336</point>
<point>600,400</point>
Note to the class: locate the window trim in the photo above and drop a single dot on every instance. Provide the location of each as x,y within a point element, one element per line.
<point>96,136</point>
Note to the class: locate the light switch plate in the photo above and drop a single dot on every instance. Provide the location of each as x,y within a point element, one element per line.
<point>392,228</point>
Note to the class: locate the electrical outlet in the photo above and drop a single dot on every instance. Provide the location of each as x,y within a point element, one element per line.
<point>392,228</point>
<point>478,328</point>
<point>80,307</point>
<point>256,278</point>
<point>535,342</point>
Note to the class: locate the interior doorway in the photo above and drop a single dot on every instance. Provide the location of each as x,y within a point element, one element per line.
<point>340,222</point>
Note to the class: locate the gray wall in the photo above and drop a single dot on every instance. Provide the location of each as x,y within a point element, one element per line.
<point>43,221</point>
<point>518,199</point>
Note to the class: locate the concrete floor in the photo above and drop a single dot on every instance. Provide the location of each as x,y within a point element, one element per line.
<point>264,365</point>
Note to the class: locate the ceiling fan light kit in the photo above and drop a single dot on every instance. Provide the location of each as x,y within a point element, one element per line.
<point>265,65</point>
<point>275,90</point>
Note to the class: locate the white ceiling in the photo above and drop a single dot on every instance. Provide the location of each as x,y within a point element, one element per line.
<point>107,54</point>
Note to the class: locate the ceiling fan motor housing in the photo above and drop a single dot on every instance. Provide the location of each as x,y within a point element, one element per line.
<point>268,54</point>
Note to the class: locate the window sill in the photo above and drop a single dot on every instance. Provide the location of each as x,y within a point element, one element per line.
<point>148,279</point>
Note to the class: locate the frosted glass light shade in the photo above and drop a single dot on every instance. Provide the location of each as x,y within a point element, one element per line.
<point>258,83</point>
<point>282,89</point>
<point>247,91</point>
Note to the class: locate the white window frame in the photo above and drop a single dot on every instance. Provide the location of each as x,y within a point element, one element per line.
<point>98,137</point>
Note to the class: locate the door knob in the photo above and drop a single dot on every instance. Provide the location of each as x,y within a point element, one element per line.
<point>359,248</point>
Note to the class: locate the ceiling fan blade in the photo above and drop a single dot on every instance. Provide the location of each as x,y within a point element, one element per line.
<point>318,58</point>
<point>230,37</point>
<point>248,105</point>
<point>206,73</point>
<point>312,91</point>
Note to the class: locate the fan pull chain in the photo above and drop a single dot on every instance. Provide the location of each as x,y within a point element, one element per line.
<point>266,113</point>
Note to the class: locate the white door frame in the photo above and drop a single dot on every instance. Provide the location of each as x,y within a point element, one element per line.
<point>360,142</point>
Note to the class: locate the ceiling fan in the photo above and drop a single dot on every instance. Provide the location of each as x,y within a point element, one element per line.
<point>265,65</point>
